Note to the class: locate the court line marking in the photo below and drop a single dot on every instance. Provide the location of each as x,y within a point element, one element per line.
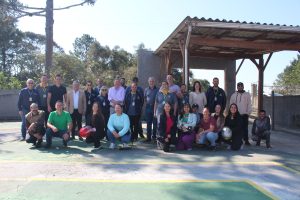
<point>87,180</point>
<point>260,163</point>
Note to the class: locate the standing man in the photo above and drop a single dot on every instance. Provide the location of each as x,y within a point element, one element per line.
<point>215,95</point>
<point>149,95</point>
<point>123,82</point>
<point>90,97</point>
<point>59,125</point>
<point>57,92</point>
<point>243,101</point>
<point>135,80</point>
<point>76,106</point>
<point>184,99</point>
<point>43,89</point>
<point>133,104</point>
<point>116,95</point>
<point>173,88</point>
<point>139,88</point>
<point>98,86</point>
<point>27,96</point>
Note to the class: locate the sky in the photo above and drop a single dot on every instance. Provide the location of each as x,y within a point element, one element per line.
<point>127,23</point>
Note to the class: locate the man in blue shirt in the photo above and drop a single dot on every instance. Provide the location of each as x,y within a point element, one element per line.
<point>140,91</point>
<point>27,96</point>
<point>149,95</point>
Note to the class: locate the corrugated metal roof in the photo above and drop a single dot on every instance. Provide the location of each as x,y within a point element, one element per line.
<point>207,32</point>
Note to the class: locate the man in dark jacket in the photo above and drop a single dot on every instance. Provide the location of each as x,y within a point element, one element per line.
<point>27,96</point>
<point>261,129</point>
<point>215,95</point>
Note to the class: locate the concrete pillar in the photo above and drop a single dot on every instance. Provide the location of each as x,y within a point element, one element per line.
<point>230,80</point>
<point>149,64</point>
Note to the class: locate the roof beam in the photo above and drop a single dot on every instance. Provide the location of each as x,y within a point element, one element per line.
<point>266,46</point>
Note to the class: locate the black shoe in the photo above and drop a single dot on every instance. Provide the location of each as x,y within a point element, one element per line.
<point>247,143</point>
<point>212,148</point>
<point>80,138</point>
<point>39,144</point>
<point>147,141</point>
<point>142,135</point>
<point>257,144</point>
<point>269,146</point>
<point>31,140</point>
<point>72,138</point>
<point>96,146</point>
<point>65,143</point>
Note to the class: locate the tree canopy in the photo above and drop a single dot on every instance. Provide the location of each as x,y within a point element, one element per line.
<point>288,82</point>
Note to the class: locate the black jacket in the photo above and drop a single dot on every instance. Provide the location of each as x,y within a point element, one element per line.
<point>163,125</point>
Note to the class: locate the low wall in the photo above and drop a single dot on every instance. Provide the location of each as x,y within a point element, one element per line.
<point>286,110</point>
<point>8,105</point>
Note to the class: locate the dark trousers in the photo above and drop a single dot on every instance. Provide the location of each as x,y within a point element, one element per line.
<point>236,140</point>
<point>134,126</point>
<point>263,135</point>
<point>88,119</point>
<point>76,120</point>
<point>151,132</point>
<point>23,126</point>
<point>245,122</point>
<point>50,134</point>
<point>94,137</point>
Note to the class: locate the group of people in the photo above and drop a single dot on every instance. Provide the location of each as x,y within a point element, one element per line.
<point>174,116</point>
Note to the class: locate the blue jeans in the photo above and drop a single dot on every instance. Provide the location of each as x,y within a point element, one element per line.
<point>124,139</point>
<point>23,126</point>
<point>210,136</point>
<point>150,120</point>
<point>50,134</point>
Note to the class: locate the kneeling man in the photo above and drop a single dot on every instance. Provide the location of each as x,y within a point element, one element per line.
<point>59,125</point>
<point>35,125</point>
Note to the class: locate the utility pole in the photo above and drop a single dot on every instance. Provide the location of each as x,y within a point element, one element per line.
<point>49,36</point>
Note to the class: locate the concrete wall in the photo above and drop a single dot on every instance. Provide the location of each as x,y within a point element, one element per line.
<point>149,65</point>
<point>286,110</point>
<point>8,105</point>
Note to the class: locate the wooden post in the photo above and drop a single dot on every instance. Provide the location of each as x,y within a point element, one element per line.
<point>260,83</point>
<point>273,111</point>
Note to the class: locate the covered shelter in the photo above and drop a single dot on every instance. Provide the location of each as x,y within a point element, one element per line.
<point>199,43</point>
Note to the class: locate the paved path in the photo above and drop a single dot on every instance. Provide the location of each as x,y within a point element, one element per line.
<point>271,173</point>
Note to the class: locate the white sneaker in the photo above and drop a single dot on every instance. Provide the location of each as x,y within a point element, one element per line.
<point>242,147</point>
<point>112,145</point>
<point>125,145</point>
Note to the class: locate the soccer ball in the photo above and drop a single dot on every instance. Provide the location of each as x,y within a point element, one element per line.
<point>226,133</point>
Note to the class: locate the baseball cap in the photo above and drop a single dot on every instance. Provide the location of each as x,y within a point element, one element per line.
<point>240,84</point>
<point>195,105</point>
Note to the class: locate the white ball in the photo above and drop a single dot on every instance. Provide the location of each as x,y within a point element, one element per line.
<point>226,133</point>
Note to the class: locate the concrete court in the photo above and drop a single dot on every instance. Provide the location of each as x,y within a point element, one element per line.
<point>77,171</point>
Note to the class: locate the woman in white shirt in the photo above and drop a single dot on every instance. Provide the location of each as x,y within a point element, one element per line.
<point>198,97</point>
